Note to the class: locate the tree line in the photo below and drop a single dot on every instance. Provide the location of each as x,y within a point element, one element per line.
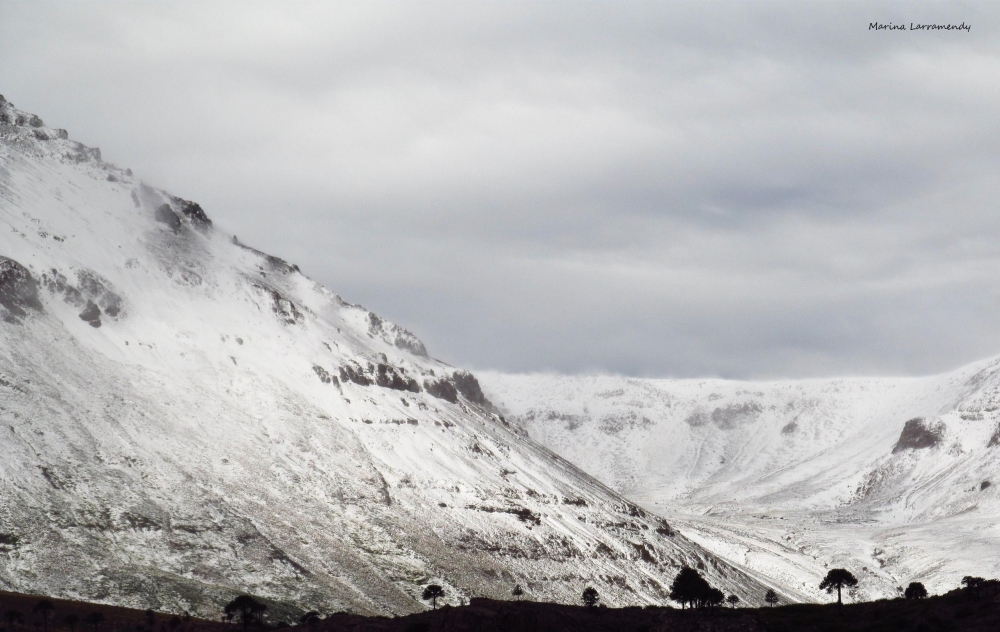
<point>691,590</point>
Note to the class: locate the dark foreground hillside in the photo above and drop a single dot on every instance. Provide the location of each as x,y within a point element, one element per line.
<point>952,612</point>
<point>21,613</point>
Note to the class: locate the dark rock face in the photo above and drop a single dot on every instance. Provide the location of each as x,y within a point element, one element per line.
<point>324,376</point>
<point>90,290</point>
<point>91,314</point>
<point>18,291</point>
<point>384,375</point>
<point>165,215</point>
<point>468,386</point>
<point>193,212</point>
<point>99,289</point>
<point>917,435</point>
<point>390,377</point>
<point>411,344</point>
<point>442,389</point>
<point>351,373</point>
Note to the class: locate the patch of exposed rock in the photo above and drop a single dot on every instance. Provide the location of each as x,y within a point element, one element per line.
<point>918,434</point>
<point>18,291</point>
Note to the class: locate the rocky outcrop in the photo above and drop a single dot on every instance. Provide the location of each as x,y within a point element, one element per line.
<point>918,434</point>
<point>18,291</point>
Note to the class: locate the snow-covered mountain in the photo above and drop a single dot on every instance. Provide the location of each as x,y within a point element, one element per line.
<point>894,478</point>
<point>185,417</point>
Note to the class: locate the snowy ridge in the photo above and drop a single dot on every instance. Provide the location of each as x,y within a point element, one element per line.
<point>185,418</point>
<point>894,478</point>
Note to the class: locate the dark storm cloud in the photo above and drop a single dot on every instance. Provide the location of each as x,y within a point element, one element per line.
<point>725,188</point>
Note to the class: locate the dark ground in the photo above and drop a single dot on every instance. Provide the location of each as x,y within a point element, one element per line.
<point>954,611</point>
<point>951,612</point>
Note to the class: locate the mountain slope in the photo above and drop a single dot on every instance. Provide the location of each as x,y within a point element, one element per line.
<point>893,478</point>
<point>184,417</point>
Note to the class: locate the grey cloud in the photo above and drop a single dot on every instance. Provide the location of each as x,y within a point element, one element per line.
<point>724,188</point>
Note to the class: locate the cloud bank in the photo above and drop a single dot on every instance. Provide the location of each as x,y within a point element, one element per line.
<point>686,189</point>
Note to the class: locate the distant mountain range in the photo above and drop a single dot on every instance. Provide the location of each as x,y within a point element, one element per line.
<point>893,478</point>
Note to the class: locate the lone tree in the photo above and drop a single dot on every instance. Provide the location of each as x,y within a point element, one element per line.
<point>771,597</point>
<point>433,592</point>
<point>732,600</point>
<point>44,608</point>
<point>244,606</point>
<point>973,586</point>
<point>689,588</point>
<point>71,620</point>
<point>94,619</point>
<point>517,592</point>
<point>915,590</point>
<point>590,596</point>
<point>838,578</point>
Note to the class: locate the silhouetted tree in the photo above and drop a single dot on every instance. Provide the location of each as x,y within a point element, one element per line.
<point>433,592</point>
<point>590,596</point>
<point>838,578</point>
<point>95,619</point>
<point>257,610</point>
<point>973,586</point>
<point>44,608</point>
<point>517,592</point>
<point>689,588</point>
<point>915,590</point>
<point>245,606</point>
<point>71,620</point>
<point>771,598</point>
<point>732,600</point>
<point>713,597</point>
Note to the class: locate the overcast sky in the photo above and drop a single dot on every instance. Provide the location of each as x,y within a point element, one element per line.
<point>727,189</point>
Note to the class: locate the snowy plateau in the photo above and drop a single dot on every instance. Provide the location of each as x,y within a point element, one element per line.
<point>184,418</point>
<point>894,479</point>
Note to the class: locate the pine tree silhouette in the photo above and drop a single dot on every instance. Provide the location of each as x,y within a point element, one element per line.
<point>433,592</point>
<point>771,598</point>
<point>838,578</point>
<point>44,608</point>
